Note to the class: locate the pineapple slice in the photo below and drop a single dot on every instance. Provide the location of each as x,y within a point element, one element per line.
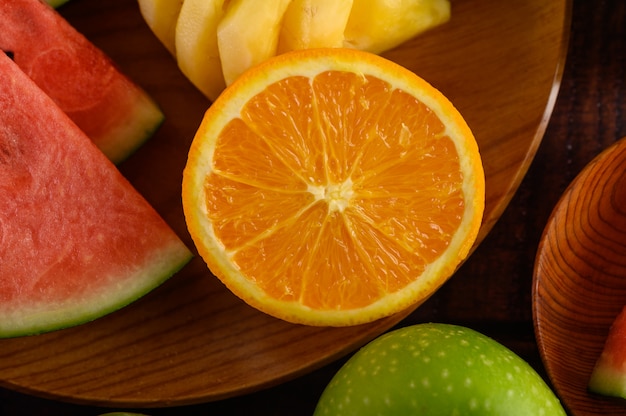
<point>314,24</point>
<point>161,17</point>
<point>379,25</point>
<point>248,34</point>
<point>197,53</point>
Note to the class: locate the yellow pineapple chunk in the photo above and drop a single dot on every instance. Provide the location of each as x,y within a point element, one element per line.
<point>379,25</point>
<point>197,53</point>
<point>314,24</point>
<point>248,34</point>
<point>161,17</point>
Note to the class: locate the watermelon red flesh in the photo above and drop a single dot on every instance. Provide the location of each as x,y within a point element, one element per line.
<point>609,374</point>
<point>110,108</point>
<point>76,239</point>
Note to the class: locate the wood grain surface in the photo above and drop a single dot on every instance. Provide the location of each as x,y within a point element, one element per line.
<point>490,293</point>
<point>580,279</point>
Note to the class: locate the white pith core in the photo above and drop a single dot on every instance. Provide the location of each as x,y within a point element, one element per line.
<point>336,195</point>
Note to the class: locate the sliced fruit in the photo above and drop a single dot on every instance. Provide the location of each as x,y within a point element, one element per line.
<point>314,24</point>
<point>379,25</point>
<point>196,45</point>
<point>437,369</point>
<point>78,241</point>
<point>333,187</point>
<point>161,17</point>
<point>248,34</point>
<point>609,373</point>
<point>112,110</point>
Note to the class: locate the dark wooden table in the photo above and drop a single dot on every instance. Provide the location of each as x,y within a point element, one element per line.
<point>492,291</point>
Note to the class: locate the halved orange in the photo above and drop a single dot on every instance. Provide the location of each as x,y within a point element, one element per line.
<point>333,187</point>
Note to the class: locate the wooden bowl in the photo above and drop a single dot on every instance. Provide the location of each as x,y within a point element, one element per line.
<point>580,279</point>
<point>191,340</point>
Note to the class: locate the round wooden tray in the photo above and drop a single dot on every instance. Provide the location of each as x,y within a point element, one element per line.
<point>191,340</point>
<point>580,280</point>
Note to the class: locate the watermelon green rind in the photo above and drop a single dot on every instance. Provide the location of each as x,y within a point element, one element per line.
<point>56,3</point>
<point>35,319</point>
<point>608,381</point>
<point>608,377</point>
<point>116,113</point>
<point>144,119</point>
<point>77,241</point>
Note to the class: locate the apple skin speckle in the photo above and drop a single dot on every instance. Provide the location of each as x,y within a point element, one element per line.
<point>437,370</point>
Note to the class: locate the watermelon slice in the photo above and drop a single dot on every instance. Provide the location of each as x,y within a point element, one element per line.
<point>77,241</point>
<point>111,109</point>
<point>609,374</point>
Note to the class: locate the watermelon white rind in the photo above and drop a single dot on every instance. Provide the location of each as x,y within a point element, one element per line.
<point>77,241</point>
<point>608,377</point>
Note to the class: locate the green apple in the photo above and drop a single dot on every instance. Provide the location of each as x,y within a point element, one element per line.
<point>437,369</point>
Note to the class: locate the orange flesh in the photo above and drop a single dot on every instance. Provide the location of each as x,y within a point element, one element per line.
<point>371,192</point>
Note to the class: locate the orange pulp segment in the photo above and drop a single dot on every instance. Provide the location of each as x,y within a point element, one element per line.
<point>333,187</point>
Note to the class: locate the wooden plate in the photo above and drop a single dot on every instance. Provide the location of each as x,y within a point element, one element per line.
<point>190,340</point>
<point>580,279</point>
